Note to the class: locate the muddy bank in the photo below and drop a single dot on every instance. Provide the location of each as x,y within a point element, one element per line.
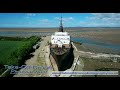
<point>88,45</point>
<point>109,35</point>
<point>98,62</point>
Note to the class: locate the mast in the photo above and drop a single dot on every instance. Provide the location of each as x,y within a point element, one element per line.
<point>61,27</point>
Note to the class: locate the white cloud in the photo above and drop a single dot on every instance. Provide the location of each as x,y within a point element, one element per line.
<point>57,18</point>
<point>44,20</point>
<point>65,19</point>
<point>108,17</point>
<point>29,15</point>
<point>103,19</point>
<point>70,18</point>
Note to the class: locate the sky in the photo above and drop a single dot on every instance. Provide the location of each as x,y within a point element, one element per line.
<point>53,20</point>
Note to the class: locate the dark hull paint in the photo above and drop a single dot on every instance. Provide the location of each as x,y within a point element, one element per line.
<point>63,61</point>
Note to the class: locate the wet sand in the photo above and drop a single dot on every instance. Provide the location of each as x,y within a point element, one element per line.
<point>110,35</point>
<point>105,35</point>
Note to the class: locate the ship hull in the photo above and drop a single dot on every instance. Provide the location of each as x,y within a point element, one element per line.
<point>63,61</point>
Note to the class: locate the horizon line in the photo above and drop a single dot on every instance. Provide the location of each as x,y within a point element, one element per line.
<point>58,27</point>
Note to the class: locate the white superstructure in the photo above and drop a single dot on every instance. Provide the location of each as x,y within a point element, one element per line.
<point>60,39</point>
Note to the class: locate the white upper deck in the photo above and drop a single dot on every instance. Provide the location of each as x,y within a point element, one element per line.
<point>61,34</point>
<point>60,38</point>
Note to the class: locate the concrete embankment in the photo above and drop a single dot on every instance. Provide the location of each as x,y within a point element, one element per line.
<point>77,63</point>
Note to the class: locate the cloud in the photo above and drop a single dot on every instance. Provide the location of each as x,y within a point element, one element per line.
<point>69,18</point>
<point>44,20</point>
<point>65,19</point>
<point>57,18</point>
<point>103,19</point>
<point>108,17</point>
<point>29,15</point>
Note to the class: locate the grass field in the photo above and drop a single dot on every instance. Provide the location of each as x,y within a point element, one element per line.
<point>6,47</point>
<point>14,51</point>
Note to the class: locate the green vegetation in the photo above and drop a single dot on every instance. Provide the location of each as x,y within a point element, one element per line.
<point>14,50</point>
<point>91,64</point>
<point>6,49</point>
<point>11,38</point>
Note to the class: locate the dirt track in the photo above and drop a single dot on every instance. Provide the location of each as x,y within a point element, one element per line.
<point>38,60</point>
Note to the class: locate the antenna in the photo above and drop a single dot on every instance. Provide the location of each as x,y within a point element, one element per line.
<point>61,27</point>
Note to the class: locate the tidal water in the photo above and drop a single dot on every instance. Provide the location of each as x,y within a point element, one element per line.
<point>87,41</point>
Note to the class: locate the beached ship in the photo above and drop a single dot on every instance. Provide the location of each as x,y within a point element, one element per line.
<point>60,45</point>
